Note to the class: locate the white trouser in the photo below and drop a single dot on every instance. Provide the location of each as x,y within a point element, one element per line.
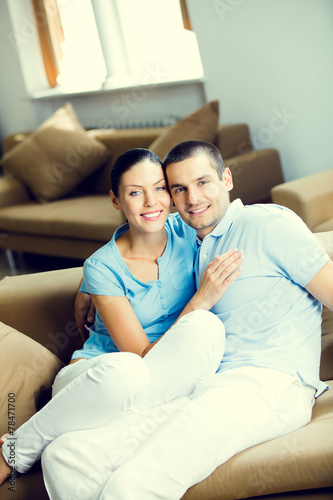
<point>161,452</point>
<point>91,392</point>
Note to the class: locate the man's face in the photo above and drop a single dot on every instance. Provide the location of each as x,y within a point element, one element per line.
<point>200,197</point>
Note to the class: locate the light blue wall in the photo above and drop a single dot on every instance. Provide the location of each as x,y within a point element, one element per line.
<point>16,110</point>
<point>270,64</point>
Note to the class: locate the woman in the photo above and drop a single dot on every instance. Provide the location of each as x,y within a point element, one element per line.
<point>142,285</point>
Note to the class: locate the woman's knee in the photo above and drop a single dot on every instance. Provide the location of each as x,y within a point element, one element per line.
<point>206,328</point>
<point>125,370</point>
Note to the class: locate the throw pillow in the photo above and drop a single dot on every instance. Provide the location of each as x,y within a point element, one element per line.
<point>27,373</point>
<point>57,157</point>
<point>200,125</point>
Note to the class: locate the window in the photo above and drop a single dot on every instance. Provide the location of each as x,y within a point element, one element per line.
<point>82,65</point>
<point>156,40</point>
<point>109,44</point>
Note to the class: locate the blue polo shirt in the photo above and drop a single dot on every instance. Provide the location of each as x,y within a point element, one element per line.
<point>157,303</point>
<point>270,319</point>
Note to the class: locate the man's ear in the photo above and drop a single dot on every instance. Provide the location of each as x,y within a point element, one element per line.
<point>114,200</point>
<point>227,179</point>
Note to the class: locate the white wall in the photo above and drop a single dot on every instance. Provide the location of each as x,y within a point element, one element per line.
<point>267,59</point>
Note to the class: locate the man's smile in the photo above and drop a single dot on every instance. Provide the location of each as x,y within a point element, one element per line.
<point>198,211</point>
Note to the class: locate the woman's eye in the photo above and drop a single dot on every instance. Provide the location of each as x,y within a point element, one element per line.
<point>161,188</point>
<point>135,193</point>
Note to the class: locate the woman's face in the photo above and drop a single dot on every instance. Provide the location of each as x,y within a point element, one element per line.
<point>143,197</point>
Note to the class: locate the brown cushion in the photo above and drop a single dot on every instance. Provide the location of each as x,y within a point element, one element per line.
<point>200,125</point>
<point>56,157</point>
<point>27,373</point>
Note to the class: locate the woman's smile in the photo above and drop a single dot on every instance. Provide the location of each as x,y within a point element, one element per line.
<point>151,215</point>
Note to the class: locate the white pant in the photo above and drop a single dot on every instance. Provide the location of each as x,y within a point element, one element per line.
<point>89,393</point>
<point>162,451</point>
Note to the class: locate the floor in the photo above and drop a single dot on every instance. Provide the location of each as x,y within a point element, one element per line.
<point>31,263</point>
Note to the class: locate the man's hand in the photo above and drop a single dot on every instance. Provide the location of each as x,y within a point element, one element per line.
<point>84,312</point>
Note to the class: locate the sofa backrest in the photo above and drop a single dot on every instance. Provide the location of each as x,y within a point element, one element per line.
<point>232,140</point>
<point>118,141</point>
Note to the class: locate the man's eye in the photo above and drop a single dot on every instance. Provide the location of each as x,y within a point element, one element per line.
<point>202,182</point>
<point>178,190</point>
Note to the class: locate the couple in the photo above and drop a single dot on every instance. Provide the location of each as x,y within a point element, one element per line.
<point>142,286</point>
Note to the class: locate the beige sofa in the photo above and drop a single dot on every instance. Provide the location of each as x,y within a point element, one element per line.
<point>76,217</point>
<point>310,197</point>
<point>298,466</point>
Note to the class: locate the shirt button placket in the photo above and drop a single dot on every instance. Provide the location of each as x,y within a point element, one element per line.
<point>163,298</point>
<point>203,256</point>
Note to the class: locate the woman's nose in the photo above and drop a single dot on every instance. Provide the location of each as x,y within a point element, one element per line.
<point>150,200</point>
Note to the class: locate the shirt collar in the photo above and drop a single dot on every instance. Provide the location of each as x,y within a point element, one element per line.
<point>222,227</point>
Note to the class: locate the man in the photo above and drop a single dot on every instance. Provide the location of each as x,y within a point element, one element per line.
<point>269,375</point>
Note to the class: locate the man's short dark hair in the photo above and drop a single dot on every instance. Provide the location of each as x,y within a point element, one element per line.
<point>190,149</point>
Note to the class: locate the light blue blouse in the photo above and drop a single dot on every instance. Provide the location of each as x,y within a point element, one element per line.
<point>157,303</point>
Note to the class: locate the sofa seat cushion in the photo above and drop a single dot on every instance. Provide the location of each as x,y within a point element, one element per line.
<point>300,460</point>
<point>89,217</point>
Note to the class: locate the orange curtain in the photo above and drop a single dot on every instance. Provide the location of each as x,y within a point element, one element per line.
<point>186,18</point>
<point>51,36</point>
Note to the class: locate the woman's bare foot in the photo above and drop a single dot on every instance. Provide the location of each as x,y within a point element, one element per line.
<point>4,467</point>
<point>3,438</point>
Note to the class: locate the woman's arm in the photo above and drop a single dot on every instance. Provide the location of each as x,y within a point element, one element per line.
<point>122,323</point>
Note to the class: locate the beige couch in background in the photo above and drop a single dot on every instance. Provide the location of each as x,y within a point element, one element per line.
<point>41,307</point>
<point>54,192</point>
<point>310,197</point>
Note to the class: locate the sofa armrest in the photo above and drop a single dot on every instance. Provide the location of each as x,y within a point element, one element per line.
<point>233,140</point>
<point>12,192</point>
<point>310,197</point>
<point>41,306</point>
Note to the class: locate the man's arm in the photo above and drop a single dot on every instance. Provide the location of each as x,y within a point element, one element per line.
<point>321,285</point>
<point>84,311</point>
